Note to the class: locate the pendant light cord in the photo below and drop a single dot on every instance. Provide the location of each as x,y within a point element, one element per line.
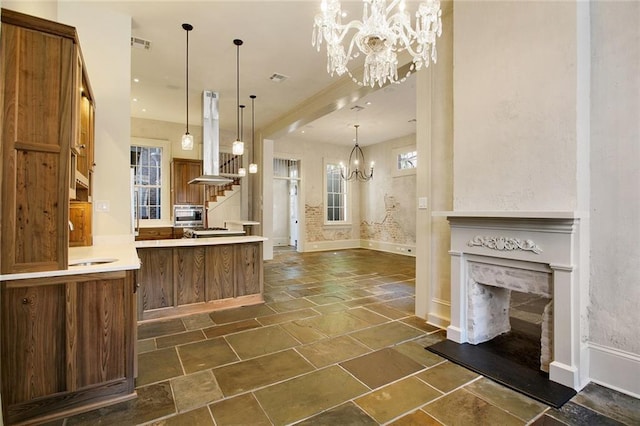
<point>253,128</point>
<point>187,28</point>
<point>238,43</point>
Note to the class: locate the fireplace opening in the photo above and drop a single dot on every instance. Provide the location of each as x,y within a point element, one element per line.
<point>522,343</point>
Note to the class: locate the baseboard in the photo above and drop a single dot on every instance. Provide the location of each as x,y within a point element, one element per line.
<point>310,246</point>
<point>438,321</point>
<point>615,369</point>
<point>405,249</point>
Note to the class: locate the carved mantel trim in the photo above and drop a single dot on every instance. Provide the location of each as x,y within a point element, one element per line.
<point>504,244</point>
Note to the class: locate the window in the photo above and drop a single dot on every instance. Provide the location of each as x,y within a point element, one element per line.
<point>150,163</point>
<point>336,190</point>
<point>147,171</point>
<point>406,161</point>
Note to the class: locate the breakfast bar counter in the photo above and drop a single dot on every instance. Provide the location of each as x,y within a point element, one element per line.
<point>183,276</point>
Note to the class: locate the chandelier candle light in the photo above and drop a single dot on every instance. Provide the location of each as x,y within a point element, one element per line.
<point>380,36</point>
<point>237,147</point>
<point>356,159</point>
<point>253,167</point>
<point>187,138</point>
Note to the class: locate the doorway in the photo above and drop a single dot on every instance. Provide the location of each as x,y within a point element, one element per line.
<point>286,185</point>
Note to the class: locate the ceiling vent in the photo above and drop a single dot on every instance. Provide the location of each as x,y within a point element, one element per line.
<point>357,108</point>
<point>278,78</point>
<point>140,43</point>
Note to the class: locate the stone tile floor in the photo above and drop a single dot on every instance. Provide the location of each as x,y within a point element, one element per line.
<point>336,343</point>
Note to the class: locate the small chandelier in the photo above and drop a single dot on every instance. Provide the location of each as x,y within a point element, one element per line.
<point>380,36</point>
<point>356,160</point>
<point>237,147</point>
<point>187,138</point>
<point>253,167</point>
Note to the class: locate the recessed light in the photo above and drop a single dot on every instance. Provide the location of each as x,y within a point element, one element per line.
<point>144,110</point>
<point>135,99</point>
<point>136,80</point>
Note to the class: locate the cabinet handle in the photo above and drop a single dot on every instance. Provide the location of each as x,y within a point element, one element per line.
<point>25,301</point>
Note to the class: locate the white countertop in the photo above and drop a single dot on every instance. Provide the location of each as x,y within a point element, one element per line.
<point>125,256</point>
<point>241,222</point>
<point>187,242</point>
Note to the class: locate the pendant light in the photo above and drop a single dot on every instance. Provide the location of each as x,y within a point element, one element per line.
<point>238,145</point>
<point>187,139</point>
<point>356,164</point>
<point>241,170</point>
<point>253,167</point>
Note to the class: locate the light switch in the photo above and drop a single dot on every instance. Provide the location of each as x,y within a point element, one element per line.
<point>102,206</point>
<point>423,202</point>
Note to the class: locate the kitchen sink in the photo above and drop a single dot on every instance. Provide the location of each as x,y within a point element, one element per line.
<point>91,262</point>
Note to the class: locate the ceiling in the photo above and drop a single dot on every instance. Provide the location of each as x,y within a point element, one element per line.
<point>277,39</point>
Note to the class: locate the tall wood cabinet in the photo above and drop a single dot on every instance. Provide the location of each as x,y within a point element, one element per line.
<point>182,171</point>
<point>41,72</point>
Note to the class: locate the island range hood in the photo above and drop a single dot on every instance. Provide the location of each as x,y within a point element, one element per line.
<point>210,142</point>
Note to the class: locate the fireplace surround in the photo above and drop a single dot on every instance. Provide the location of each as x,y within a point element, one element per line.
<point>493,253</point>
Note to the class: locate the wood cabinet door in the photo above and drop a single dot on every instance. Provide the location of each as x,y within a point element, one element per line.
<point>184,170</point>
<point>248,269</point>
<point>219,270</point>
<point>156,278</point>
<point>33,342</point>
<point>101,322</point>
<point>36,124</point>
<point>80,215</point>
<point>188,273</point>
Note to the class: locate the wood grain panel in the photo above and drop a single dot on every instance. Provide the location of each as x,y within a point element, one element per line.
<point>188,273</point>
<point>80,214</point>
<point>156,277</point>
<point>182,171</point>
<point>219,278</point>
<point>36,111</point>
<point>248,269</point>
<point>33,343</point>
<point>101,329</point>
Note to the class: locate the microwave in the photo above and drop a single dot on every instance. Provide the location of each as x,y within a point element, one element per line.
<point>188,216</point>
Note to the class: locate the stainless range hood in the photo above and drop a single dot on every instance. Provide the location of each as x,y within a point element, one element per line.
<point>210,142</point>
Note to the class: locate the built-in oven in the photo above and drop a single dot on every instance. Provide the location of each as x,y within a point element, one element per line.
<point>188,216</point>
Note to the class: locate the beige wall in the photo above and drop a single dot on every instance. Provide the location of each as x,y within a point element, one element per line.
<point>313,233</point>
<point>615,176</point>
<point>515,106</point>
<point>388,202</point>
<point>105,39</point>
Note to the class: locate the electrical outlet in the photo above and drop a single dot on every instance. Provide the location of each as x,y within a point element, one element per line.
<point>102,206</point>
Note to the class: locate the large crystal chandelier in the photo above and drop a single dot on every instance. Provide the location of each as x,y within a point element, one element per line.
<point>383,32</point>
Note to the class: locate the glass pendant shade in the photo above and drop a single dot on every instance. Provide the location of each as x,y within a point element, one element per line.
<point>242,171</point>
<point>253,168</point>
<point>187,142</point>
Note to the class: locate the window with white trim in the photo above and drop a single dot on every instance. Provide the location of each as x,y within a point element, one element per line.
<point>336,195</point>
<point>150,162</point>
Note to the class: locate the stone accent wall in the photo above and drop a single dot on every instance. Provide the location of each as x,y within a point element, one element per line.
<point>315,229</point>
<point>389,229</point>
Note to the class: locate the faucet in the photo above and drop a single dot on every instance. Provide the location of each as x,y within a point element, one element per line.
<point>70,225</point>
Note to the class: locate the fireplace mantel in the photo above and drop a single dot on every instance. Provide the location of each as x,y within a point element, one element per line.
<point>526,240</point>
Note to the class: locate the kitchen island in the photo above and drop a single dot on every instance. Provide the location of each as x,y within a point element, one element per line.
<point>68,336</point>
<point>190,275</point>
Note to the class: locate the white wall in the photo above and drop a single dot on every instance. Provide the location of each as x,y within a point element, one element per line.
<point>614,313</point>
<point>515,106</point>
